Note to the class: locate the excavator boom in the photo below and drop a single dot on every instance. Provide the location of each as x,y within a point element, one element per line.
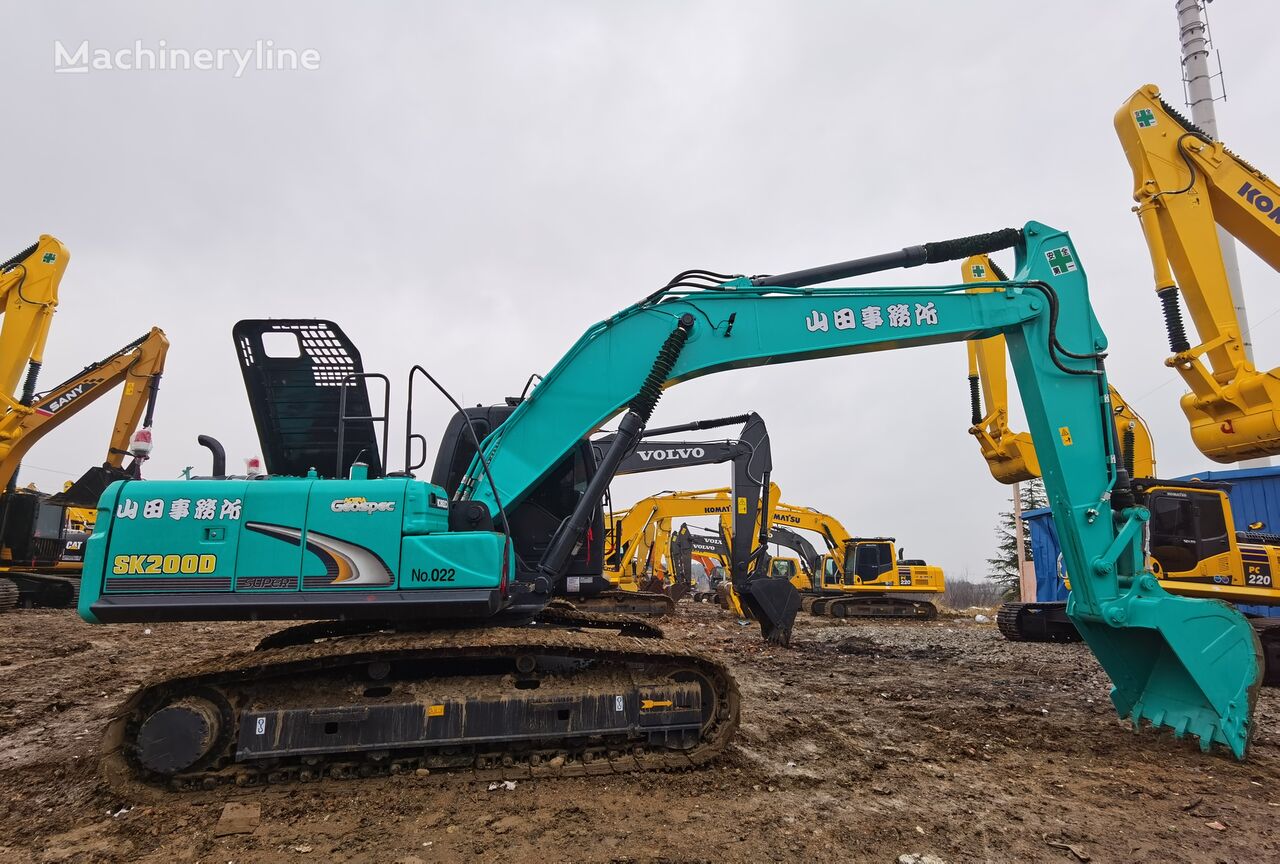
<point>1010,455</point>
<point>1174,661</point>
<point>1186,186</point>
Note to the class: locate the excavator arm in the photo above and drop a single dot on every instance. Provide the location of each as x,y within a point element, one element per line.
<point>1187,664</point>
<point>29,294</point>
<point>827,526</point>
<point>1186,185</point>
<point>1010,455</point>
<point>138,366</point>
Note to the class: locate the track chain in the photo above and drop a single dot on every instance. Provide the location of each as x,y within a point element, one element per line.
<point>497,762</point>
<point>9,595</point>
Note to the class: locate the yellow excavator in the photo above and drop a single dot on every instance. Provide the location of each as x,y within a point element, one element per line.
<point>42,537</point>
<point>631,541</point>
<point>863,577</point>
<point>1221,562</point>
<point>1187,186</point>
<point>857,577</point>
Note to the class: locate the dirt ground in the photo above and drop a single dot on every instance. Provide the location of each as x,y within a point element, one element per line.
<point>862,742</point>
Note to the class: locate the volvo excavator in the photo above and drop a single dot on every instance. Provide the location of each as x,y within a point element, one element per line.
<point>689,549</point>
<point>444,648</point>
<point>42,536</point>
<point>1194,546</point>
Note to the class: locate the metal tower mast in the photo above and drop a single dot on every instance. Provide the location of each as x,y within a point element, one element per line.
<point>1193,34</point>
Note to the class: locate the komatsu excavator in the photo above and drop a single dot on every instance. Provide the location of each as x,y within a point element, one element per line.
<point>854,578</point>
<point>445,650</point>
<point>1187,185</point>
<point>41,536</point>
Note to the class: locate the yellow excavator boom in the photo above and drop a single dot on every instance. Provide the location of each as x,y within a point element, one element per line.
<point>138,366</point>
<point>1010,455</point>
<point>1186,185</point>
<point>29,294</point>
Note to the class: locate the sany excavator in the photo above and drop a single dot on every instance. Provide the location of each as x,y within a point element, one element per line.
<point>444,648</point>
<point>633,542</point>
<point>854,577</point>
<point>42,537</point>
<point>1186,185</point>
<point>1195,549</point>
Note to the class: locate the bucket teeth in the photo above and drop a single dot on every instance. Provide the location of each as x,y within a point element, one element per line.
<point>1189,666</point>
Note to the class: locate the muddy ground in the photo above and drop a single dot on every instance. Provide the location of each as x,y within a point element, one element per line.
<point>863,742</point>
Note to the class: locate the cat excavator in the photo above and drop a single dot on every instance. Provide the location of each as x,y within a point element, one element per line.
<point>42,536</point>
<point>443,647</point>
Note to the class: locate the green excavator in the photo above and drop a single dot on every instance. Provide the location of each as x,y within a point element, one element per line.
<point>441,642</point>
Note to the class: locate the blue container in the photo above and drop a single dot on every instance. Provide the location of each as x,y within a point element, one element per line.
<point>1255,497</point>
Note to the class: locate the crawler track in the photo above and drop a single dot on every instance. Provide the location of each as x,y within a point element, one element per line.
<point>314,684</point>
<point>627,603</point>
<point>1036,622</point>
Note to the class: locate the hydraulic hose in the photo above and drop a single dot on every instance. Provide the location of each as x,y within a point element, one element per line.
<point>911,256</point>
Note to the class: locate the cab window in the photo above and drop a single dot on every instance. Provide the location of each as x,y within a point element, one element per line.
<point>868,563</point>
<point>1186,528</point>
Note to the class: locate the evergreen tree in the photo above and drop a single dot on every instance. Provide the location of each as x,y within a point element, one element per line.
<point>1004,566</point>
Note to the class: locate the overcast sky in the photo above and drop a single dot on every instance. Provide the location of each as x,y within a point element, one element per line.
<point>469,185</point>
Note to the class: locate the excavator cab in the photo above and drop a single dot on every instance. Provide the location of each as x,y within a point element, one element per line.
<point>1187,528</point>
<point>870,561</point>
<point>535,519</point>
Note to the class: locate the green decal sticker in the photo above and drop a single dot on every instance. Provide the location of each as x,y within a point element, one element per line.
<point>978,271</point>
<point>1060,261</point>
<point>49,258</point>
<point>1145,117</point>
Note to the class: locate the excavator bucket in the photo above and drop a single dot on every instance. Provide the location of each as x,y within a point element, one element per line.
<point>1191,665</point>
<point>774,603</point>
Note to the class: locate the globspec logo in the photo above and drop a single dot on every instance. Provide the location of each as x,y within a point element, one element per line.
<point>361,505</point>
<point>1261,203</point>
<point>672,453</point>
